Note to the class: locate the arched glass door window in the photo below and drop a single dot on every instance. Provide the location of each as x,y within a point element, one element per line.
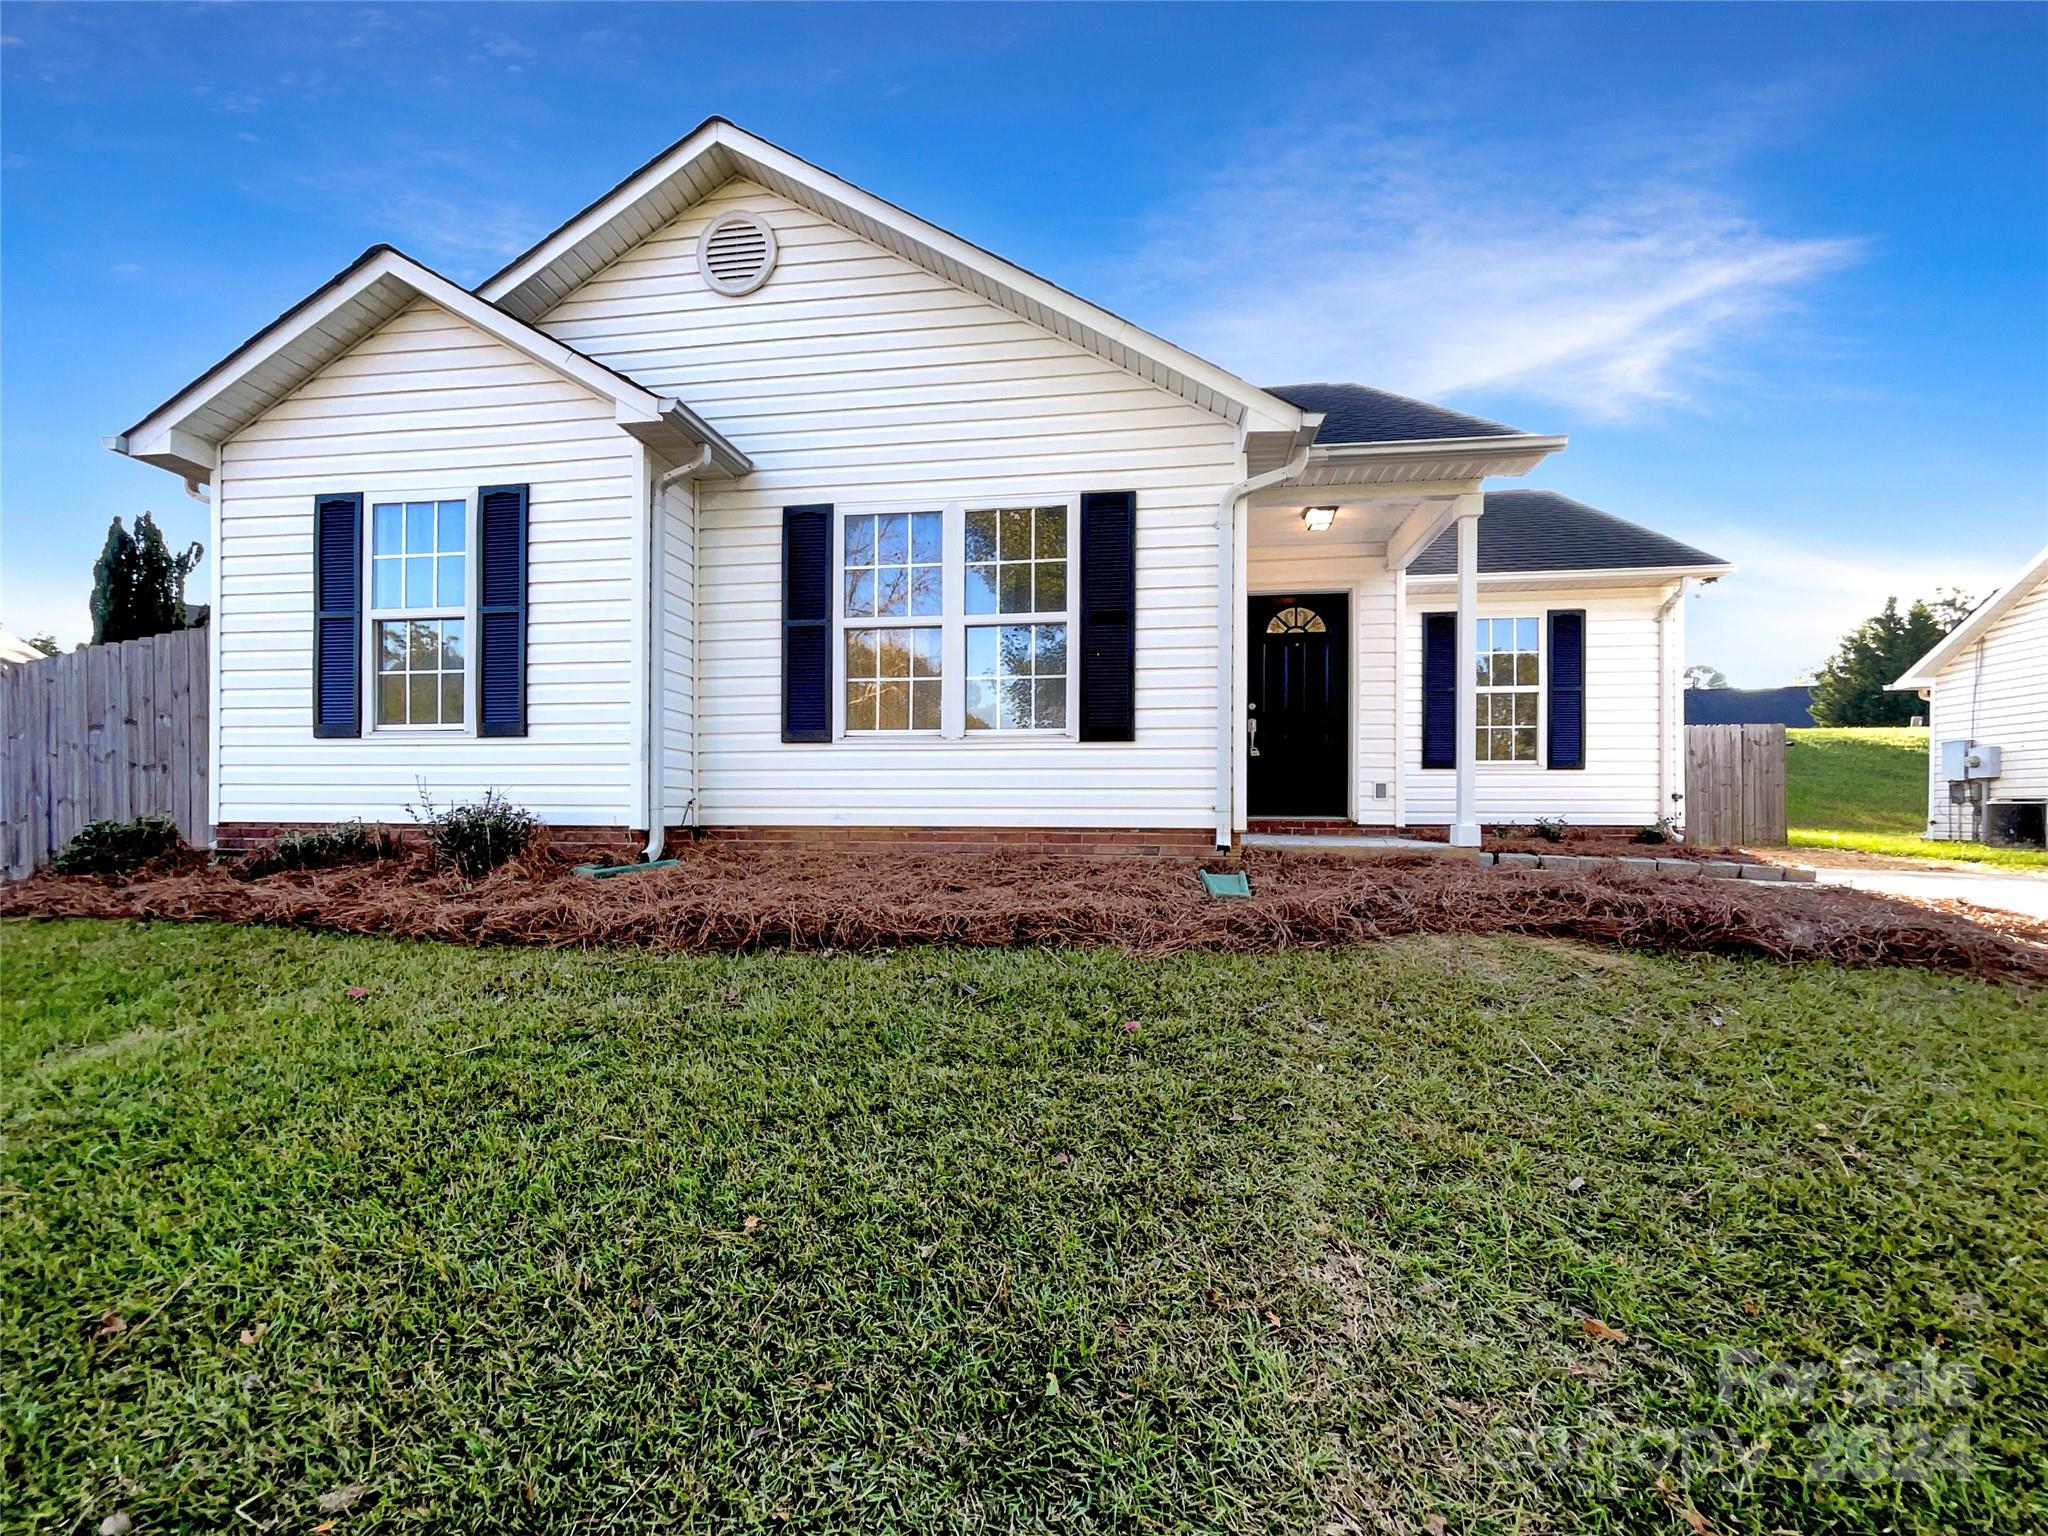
<point>1296,621</point>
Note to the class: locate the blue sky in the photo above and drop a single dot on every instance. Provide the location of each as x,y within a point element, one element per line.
<point>1781,272</point>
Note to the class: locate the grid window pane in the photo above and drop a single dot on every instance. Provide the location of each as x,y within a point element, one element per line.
<point>891,565</point>
<point>419,527</point>
<point>387,528</point>
<point>1508,668</point>
<point>1016,560</point>
<point>420,664</point>
<point>1017,677</point>
<point>893,678</point>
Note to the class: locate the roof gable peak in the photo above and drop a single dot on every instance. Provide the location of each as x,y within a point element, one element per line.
<point>716,151</point>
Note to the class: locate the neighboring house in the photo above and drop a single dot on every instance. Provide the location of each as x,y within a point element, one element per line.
<point>748,501</point>
<point>15,649</point>
<point>1750,706</point>
<point>1986,686</point>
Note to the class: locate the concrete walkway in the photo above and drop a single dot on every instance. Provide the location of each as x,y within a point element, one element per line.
<point>2008,890</point>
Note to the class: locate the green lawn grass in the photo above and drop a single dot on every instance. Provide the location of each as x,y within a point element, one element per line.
<point>931,1241</point>
<point>1865,787</point>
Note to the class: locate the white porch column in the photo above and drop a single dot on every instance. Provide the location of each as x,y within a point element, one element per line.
<point>1465,820</point>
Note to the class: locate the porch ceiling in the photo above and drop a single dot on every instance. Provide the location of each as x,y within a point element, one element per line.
<point>1274,519</point>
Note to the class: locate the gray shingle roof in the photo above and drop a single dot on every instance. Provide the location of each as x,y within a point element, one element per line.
<point>1543,531</point>
<point>1354,413</point>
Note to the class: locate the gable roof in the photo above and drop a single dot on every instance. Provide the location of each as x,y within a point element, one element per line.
<point>1524,532</point>
<point>184,433</point>
<point>1357,413</point>
<point>717,151</point>
<point>1987,613</point>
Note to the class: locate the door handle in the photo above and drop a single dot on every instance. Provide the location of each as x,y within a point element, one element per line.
<point>1251,728</point>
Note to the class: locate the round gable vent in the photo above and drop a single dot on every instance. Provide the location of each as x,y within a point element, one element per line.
<point>737,253</point>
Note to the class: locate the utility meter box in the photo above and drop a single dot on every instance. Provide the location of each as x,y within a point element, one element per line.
<point>1968,760</point>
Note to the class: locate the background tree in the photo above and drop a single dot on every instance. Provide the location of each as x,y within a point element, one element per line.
<point>1705,677</point>
<point>138,585</point>
<point>47,644</point>
<point>1850,689</point>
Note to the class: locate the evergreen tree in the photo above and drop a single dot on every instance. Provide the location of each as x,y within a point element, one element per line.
<point>138,585</point>
<point>1850,688</point>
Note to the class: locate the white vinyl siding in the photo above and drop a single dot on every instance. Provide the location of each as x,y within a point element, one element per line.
<point>679,642</point>
<point>429,401</point>
<point>853,377</point>
<point>1996,692</point>
<point>1625,731</point>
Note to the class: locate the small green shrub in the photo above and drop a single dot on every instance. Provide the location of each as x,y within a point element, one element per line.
<point>1550,828</point>
<point>348,842</point>
<point>1663,830</point>
<point>116,847</point>
<point>475,839</point>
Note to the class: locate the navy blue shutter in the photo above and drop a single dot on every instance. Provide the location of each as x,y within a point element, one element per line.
<point>807,623</point>
<point>501,610</point>
<point>1439,690</point>
<point>338,614</point>
<point>1567,675</point>
<point>1109,616</point>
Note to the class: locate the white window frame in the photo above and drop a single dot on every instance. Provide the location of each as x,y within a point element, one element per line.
<point>953,620</point>
<point>1538,688</point>
<point>372,615</point>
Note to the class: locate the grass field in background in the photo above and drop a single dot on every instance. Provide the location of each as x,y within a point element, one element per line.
<point>1865,787</point>
<point>931,1241</point>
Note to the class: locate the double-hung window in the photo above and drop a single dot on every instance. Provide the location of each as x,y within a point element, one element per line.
<point>1509,690</point>
<point>954,619</point>
<point>419,605</point>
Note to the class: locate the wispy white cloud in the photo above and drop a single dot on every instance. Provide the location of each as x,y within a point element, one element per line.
<point>503,45</point>
<point>1789,603</point>
<point>1612,277</point>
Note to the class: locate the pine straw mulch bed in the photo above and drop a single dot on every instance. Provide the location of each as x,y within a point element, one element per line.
<point>1598,842</point>
<point>722,899</point>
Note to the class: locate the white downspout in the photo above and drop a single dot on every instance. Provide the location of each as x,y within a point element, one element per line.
<point>657,676</point>
<point>1667,725</point>
<point>1226,631</point>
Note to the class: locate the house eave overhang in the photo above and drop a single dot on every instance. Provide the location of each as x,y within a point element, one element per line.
<point>1986,614</point>
<point>1434,459</point>
<point>1584,576</point>
<point>718,151</point>
<point>184,434</point>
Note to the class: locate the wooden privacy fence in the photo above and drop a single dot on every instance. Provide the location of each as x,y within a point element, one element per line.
<point>1734,784</point>
<point>104,734</point>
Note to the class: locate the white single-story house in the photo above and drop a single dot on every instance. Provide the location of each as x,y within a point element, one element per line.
<point>1986,686</point>
<point>748,502</point>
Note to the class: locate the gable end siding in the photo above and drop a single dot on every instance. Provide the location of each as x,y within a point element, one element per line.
<point>854,377</point>
<point>428,403</point>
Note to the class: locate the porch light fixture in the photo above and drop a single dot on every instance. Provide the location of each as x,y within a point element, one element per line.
<point>1318,519</point>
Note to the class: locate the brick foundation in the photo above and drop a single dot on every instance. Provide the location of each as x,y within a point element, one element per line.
<point>1336,826</point>
<point>620,845</point>
<point>1076,842</point>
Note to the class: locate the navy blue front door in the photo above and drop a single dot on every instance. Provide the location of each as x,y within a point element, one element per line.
<point>1296,707</point>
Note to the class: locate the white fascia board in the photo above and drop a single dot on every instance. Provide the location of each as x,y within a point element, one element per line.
<point>1262,411</point>
<point>1987,613</point>
<point>1516,445</point>
<point>1600,575</point>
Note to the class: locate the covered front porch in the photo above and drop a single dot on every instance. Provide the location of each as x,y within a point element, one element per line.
<point>1322,664</point>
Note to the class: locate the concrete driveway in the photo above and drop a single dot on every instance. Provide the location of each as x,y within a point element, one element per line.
<point>2021,891</point>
